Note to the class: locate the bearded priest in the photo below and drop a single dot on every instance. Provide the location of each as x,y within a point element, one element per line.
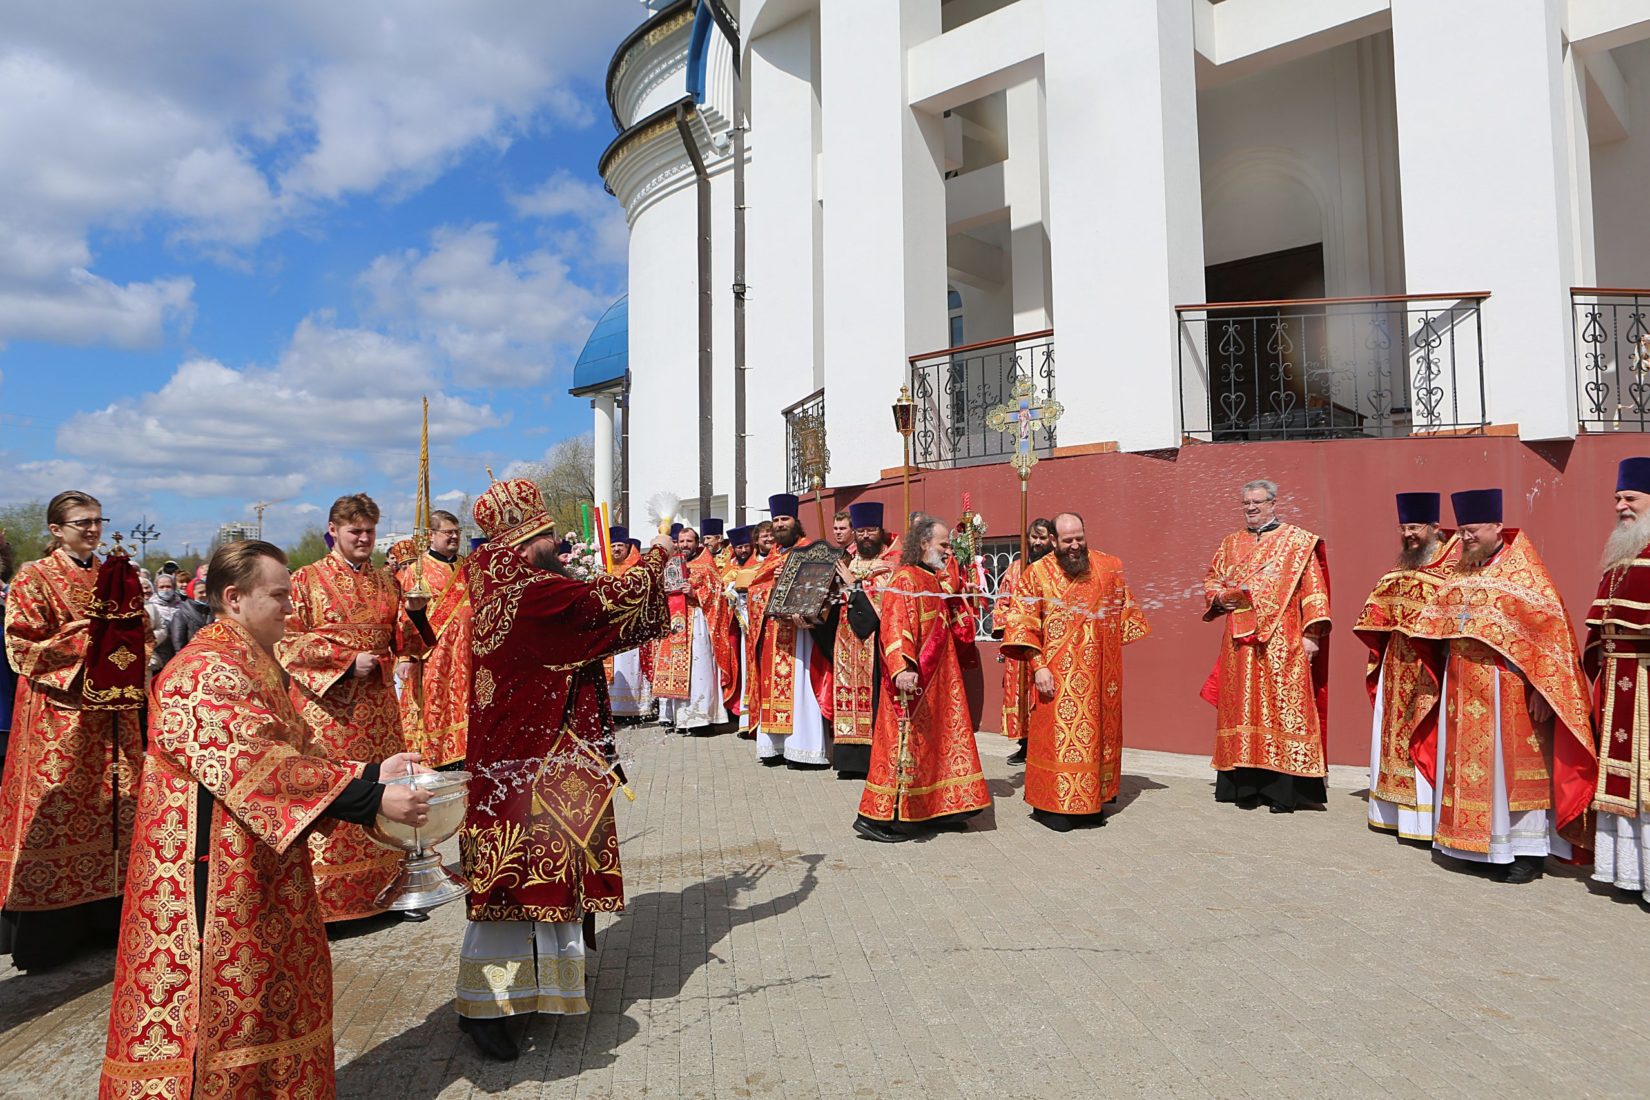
<point>223,979</point>
<point>924,766</point>
<point>1617,659</point>
<point>790,691</point>
<point>1071,617</point>
<point>436,687</point>
<point>856,665</point>
<point>1513,760</point>
<point>1401,683</point>
<point>696,670</point>
<point>539,845</point>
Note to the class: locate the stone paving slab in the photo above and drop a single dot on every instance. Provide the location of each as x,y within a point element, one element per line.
<point>1185,949</point>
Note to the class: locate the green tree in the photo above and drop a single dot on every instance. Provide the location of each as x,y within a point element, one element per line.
<point>25,526</point>
<point>310,547</point>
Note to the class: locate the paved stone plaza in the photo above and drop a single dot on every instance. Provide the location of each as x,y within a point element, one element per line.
<point>1183,950</point>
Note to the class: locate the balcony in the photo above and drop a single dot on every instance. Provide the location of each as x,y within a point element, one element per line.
<point>1612,358</point>
<point>1332,368</point>
<point>956,388</point>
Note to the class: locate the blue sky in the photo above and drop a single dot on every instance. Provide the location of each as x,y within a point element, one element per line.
<point>239,242</point>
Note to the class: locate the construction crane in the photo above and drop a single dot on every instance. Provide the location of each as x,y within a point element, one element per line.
<point>259,509</point>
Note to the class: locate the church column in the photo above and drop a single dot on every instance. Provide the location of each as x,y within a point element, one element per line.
<point>1126,213</point>
<point>883,191</point>
<point>1484,159</point>
<point>603,474</point>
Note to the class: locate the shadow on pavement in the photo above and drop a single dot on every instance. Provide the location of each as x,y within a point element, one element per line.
<point>419,1064</point>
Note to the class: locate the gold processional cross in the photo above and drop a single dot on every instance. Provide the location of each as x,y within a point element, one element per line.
<point>1021,414</point>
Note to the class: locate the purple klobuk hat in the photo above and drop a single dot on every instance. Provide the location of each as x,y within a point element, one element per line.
<point>713,526</point>
<point>739,536</point>
<point>1633,475</point>
<point>1419,507</point>
<point>782,504</point>
<point>1476,506</point>
<point>865,513</point>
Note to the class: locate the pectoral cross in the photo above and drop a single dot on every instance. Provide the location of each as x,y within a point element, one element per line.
<point>1021,414</point>
<point>1461,618</point>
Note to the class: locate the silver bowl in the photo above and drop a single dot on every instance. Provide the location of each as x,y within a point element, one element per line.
<point>423,882</point>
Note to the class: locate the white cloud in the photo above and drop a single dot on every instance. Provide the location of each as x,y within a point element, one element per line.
<point>585,219</point>
<point>338,399</point>
<point>499,321</point>
<point>219,123</point>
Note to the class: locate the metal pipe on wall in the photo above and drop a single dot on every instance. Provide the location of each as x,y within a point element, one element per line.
<point>706,393</point>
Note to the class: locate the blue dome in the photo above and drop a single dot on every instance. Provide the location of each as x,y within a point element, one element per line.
<point>606,355</point>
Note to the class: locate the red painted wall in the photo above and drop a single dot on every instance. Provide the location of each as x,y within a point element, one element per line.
<point>1165,512</point>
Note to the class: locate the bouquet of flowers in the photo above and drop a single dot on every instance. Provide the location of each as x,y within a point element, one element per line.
<point>585,562</point>
<point>967,535</point>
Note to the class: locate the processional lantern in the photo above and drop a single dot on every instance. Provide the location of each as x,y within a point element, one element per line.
<point>905,422</point>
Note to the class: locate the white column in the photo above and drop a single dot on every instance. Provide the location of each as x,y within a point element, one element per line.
<point>1025,186</point>
<point>1485,161</point>
<point>781,254</point>
<point>603,473</point>
<point>1125,213</point>
<point>883,191</point>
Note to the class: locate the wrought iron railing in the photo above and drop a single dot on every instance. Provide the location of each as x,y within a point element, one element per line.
<point>804,424</point>
<point>956,388</point>
<point>1332,368</point>
<point>1612,358</point>
<point>995,556</point>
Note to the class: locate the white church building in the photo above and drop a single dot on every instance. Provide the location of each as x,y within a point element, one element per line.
<point>1358,246</point>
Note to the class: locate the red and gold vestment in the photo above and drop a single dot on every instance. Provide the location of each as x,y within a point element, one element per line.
<point>538,841</point>
<point>242,1005</point>
<point>673,658</point>
<point>1272,708</point>
<point>934,768</point>
<point>438,731</point>
<point>1508,633</point>
<point>855,663</point>
<point>338,612</point>
<point>1406,681</point>
<point>1076,627</point>
<point>771,691</point>
<point>67,799</point>
<point>1016,673</point>
<point>1617,658</point>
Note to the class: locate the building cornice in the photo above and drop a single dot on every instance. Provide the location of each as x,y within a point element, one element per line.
<point>675,19</point>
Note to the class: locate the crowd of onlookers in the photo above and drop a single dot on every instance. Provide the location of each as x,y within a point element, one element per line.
<point>177,609</point>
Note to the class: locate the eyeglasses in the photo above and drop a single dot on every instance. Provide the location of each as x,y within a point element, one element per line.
<point>86,524</point>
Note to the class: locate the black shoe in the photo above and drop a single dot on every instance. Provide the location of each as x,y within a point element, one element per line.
<point>414,916</point>
<point>1250,803</point>
<point>770,761</point>
<point>856,776</point>
<point>1276,809</point>
<point>1060,823</point>
<point>1018,756</point>
<point>1525,869</point>
<point>492,1038</point>
<point>951,824</point>
<point>877,831</point>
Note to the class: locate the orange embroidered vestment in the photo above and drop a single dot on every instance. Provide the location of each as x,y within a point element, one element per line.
<point>1076,627</point>
<point>1617,657</point>
<point>338,612</point>
<point>240,1005</point>
<point>438,730</point>
<point>1273,703</point>
<point>771,690</point>
<point>1016,673</point>
<point>855,663</point>
<point>1406,682</point>
<point>931,767</point>
<point>1508,633</point>
<point>66,802</point>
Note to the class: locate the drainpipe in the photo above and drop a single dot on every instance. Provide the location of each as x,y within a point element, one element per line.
<point>706,398</point>
<point>739,290</point>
